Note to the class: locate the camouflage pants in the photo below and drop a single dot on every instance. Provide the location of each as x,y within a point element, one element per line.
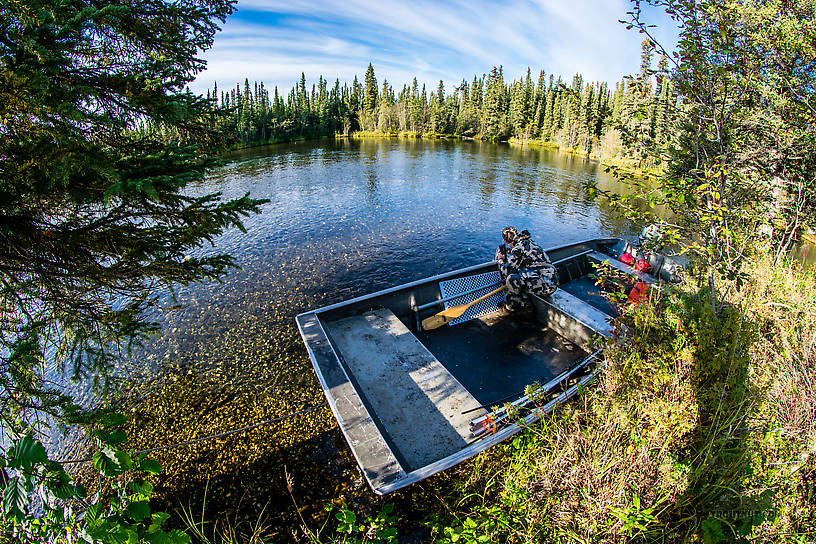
<point>541,281</point>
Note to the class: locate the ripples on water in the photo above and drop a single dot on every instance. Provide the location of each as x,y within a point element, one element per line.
<point>344,219</point>
<point>394,211</point>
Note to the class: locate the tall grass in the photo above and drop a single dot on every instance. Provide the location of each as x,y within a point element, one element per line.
<point>701,429</point>
<point>226,531</point>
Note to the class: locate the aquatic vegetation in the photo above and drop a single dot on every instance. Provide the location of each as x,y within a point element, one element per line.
<point>244,470</point>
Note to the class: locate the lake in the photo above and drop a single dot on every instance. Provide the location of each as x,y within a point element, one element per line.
<point>345,218</point>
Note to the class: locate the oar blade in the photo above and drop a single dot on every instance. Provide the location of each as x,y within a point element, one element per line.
<point>445,316</point>
<point>435,321</point>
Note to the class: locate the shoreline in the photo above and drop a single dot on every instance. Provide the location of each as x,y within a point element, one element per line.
<point>621,164</point>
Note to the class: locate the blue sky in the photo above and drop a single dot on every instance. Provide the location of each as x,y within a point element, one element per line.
<point>274,41</point>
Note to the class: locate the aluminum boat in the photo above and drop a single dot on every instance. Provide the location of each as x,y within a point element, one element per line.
<point>412,403</point>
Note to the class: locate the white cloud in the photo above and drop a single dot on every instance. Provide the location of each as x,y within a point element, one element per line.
<point>429,40</point>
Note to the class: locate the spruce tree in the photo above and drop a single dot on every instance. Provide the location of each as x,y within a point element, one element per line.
<point>539,105</point>
<point>96,219</point>
<point>302,99</point>
<point>640,97</point>
<point>370,101</point>
<point>415,107</point>
<point>438,112</point>
<point>548,127</point>
<point>662,107</point>
<point>245,118</point>
<point>423,101</point>
<point>516,109</point>
<point>527,104</point>
<point>354,98</point>
<point>385,110</point>
<point>476,93</point>
<point>494,116</point>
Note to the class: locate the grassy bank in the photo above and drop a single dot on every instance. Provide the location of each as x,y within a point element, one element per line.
<point>701,429</point>
<point>625,164</point>
<point>403,134</point>
<point>629,166</point>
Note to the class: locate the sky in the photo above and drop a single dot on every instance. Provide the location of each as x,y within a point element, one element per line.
<point>274,41</point>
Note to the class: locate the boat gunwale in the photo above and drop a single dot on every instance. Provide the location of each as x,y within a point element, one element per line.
<point>480,444</point>
<point>332,402</point>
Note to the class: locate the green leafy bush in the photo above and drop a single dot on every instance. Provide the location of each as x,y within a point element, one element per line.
<point>378,529</point>
<point>42,502</point>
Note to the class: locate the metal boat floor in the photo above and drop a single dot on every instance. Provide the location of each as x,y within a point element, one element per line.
<point>498,355</point>
<point>415,401</point>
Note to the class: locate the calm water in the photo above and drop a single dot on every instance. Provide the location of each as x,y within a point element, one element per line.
<point>344,219</point>
<point>351,217</point>
<point>347,218</point>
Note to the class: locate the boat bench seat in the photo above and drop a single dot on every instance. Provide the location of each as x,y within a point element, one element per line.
<point>573,318</point>
<point>599,257</point>
<point>418,403</point>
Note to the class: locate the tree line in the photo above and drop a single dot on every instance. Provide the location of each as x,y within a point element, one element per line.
<point>585,116</point>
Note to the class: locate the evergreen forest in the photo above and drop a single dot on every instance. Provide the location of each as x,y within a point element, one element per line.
<point>578,115</point>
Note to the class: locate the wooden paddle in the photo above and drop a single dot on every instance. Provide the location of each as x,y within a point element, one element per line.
<point>446,316</point>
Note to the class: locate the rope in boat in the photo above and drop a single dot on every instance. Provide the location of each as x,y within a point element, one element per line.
<point>212,436</point>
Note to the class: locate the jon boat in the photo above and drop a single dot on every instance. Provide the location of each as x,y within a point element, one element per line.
<point>412,403</point>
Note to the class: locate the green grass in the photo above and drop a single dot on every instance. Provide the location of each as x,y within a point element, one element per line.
<point>701,429</point>
<point>403,134</point>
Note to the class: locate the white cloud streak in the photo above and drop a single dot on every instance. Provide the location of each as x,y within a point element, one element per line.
<point>274,41</point>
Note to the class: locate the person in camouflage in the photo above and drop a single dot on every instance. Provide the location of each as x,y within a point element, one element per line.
<point>525,267</point>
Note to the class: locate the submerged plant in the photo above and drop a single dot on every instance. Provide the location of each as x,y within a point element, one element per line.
<point>378,529</point>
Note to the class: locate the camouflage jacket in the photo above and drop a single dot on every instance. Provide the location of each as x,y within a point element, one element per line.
<point>525,255</point>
